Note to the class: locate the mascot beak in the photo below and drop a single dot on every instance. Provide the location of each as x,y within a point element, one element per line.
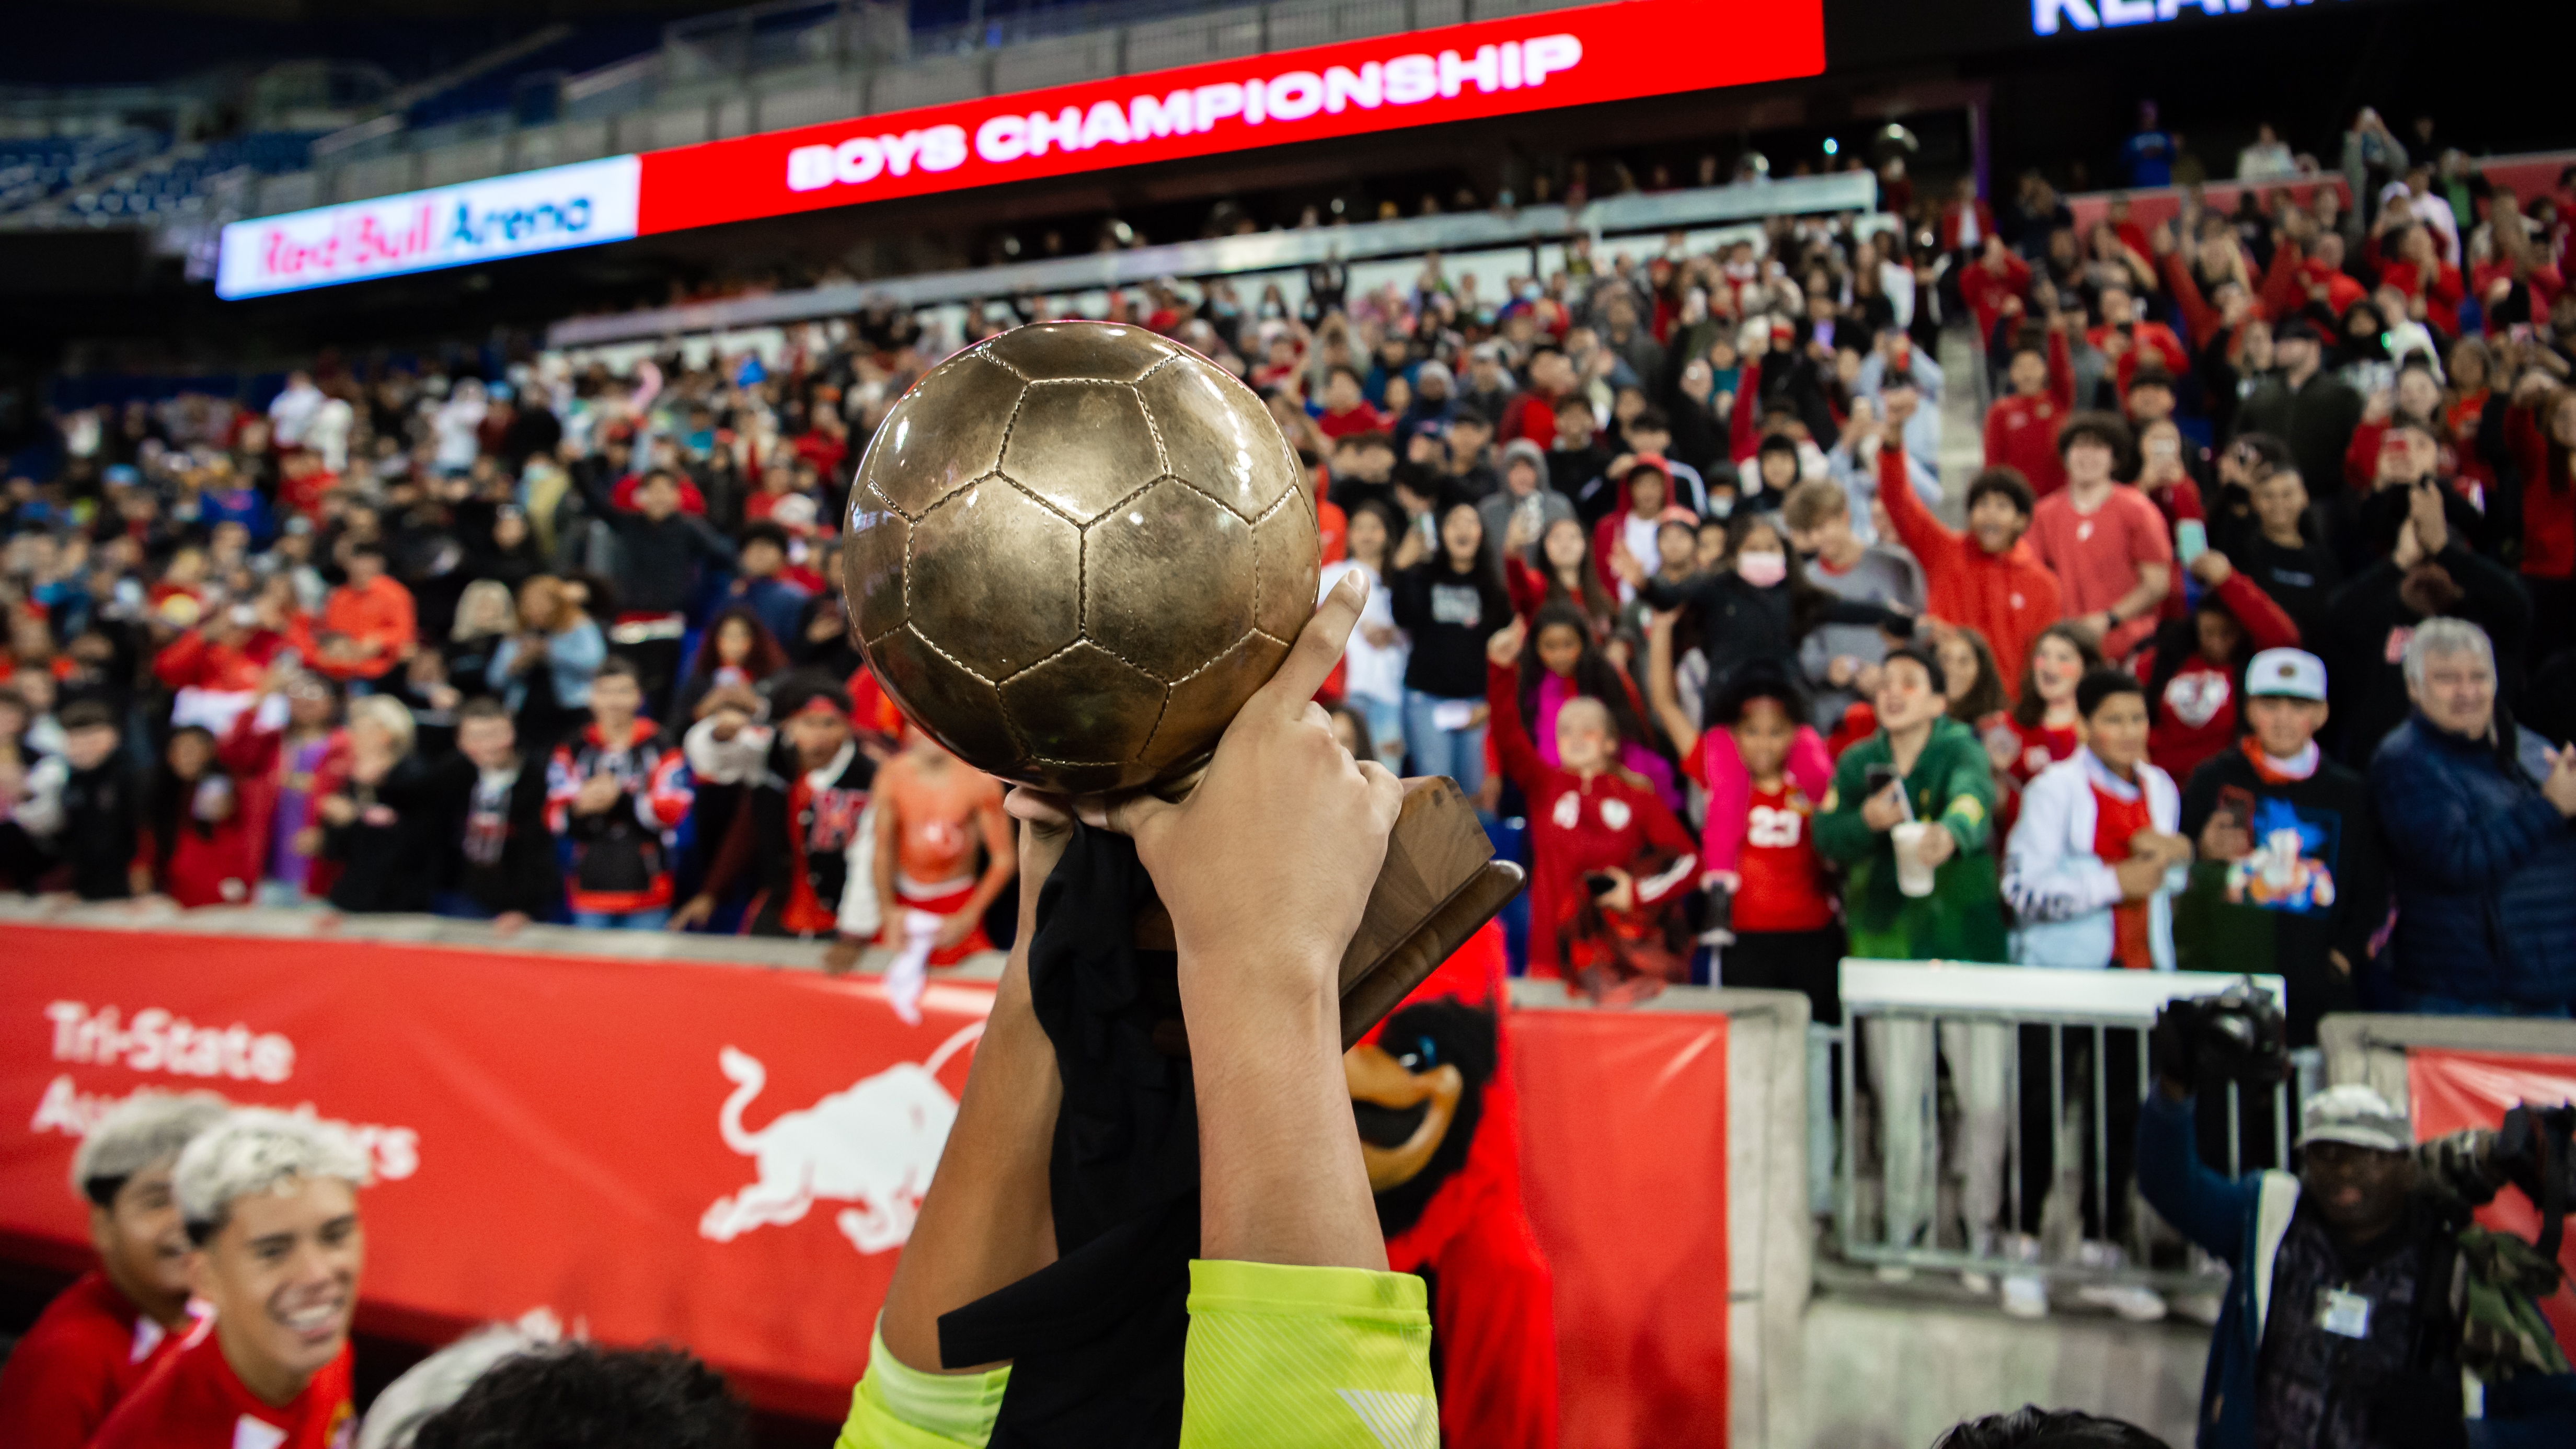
<point>1403,1115</point>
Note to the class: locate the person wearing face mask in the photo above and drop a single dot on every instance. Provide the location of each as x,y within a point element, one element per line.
<point>1754,609</point>
<point>118,1322</point>
<point>270,1204</point>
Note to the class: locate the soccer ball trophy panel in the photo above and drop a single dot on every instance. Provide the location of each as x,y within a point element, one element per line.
<point>1074,551</point>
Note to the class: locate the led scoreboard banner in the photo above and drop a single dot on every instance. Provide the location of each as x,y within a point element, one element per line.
<point>1540,61</point>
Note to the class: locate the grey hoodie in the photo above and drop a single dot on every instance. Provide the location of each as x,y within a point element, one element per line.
<point>1496,508</point>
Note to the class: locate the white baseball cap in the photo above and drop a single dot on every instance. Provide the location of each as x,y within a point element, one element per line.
<point>2355,1114</point>
<point>2286,674</point>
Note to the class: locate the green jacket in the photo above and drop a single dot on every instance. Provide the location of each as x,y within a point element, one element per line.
<point>1962,920</point>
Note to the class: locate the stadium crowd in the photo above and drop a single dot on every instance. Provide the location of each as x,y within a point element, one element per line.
<point>2256,638</point>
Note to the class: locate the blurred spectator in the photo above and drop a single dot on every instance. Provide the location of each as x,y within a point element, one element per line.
<point>660,549</point>
<point>86,806</point>
<point>544,670</point>
<point>2195,666</point>
<point>367,627</point>
<point>934,814</point>
<point>2303,404</point>
<point>497,795</point>
<point>2291,870</point>
<point>1839,661</point>
<point>1984,578</point>
<point>2093,860</point>
<point>795,833</point>
<point>2105,541</point>
<point>615,793</point>
<point>1449,605</point>
<point>1925,770</point>
<point>777,601</point>
<point>195,844</point>
<point>380,813</point>
<point>2480,847</point>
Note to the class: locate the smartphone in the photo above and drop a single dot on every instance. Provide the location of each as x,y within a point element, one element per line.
<point>2237,803</point>
<point>1878,778</point>
<point>2191,540</point>
<point>1599,883</point>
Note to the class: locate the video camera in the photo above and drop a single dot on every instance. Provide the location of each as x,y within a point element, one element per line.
<point>2238,1035</point>
<point>2536,1150</point>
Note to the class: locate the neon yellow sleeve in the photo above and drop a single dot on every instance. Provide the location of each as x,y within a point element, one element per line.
<point>1307,1358</point>
<point>899,1407</point>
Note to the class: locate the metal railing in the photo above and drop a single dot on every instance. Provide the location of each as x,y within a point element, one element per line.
<point>2032,1079</point>
<point>1459,237</point>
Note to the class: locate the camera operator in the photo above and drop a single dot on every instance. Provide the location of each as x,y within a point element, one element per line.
<point>2362,1294</point>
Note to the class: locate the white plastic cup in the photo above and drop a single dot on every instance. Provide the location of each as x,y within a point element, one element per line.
<point>1913,876</point>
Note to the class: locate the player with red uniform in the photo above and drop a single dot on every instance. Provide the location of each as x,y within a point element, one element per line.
<point>117,1322</point>
<point>270,1201</point>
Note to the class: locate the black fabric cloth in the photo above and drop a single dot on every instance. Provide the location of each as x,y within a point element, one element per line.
<point>506,856</point>
<point>1096,1337</point>
<point>1450,616</point>
<point>102,811</point>
<point>390,855</point>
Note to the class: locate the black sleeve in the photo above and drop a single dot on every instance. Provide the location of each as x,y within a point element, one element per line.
<point>1409,597</point>
<point>708,542</point>
<point>2199,799</point>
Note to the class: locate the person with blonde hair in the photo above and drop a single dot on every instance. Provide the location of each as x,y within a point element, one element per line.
<point>379,813</point>
<point>116,1323</point>
<point>270,1204</point>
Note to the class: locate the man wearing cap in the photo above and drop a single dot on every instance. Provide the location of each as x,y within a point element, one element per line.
<point>2303,404</point>
<point>117,1322</point>
<point>2339,1327</point>
<point>2290,877</point>
<point>270,1203</point>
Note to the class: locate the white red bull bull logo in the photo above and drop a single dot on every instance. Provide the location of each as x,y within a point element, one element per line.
<point>871,1146</point>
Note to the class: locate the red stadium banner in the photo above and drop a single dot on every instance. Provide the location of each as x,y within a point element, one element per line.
<point>2452,1090</point>
<point>721,1157</point>
<point>729,1158</point>
<point>1532,62</point>
<point>1623,1141</point>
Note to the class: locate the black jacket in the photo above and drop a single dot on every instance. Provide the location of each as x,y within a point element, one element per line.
<point>2316,420</point>
<point>1450,616</point>
<point>101,811</point>
<point>393,855</point>
<point>505,858</point>
<point>2365,654</point>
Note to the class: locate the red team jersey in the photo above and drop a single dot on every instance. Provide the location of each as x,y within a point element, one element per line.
<point>84,1354</point>
<point>194,1401</point>
<point>1784,880</point>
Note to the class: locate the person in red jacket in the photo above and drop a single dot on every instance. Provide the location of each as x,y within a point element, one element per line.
<point>1987,283</point>
<point>117,1322</point>
<point>2540,431</point>
<point>2021,428</point>
<point>1347,412</point>
<point>2195,668</point>
<point>1985,578</point>
<point>270,1200</point>
<point>367,625</point>
<point>1599,837</point>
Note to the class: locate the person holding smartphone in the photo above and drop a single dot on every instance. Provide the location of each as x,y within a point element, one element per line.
<point>2290,876</point>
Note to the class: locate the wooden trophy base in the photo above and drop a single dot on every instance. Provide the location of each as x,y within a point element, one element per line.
<point>1440,883</point>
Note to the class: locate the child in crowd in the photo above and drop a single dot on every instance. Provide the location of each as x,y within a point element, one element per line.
<point>615,793</point>
<point>2095,857</point>
<point>2044,726</point>
<point>1610,864</point>
<point>1561,664</point>
<point>1787,935</point>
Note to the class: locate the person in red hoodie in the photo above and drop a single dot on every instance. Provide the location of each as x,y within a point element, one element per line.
<point>1985,285</point>
<point>1985,577</point>
<point>116,1323</point>
<point>270,1202</point>
<point>2195,668</point>
<point>1599,836</point>
<point>2021,428</point>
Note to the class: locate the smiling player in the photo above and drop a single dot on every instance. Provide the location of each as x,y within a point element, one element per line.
<point>271,1203</point>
